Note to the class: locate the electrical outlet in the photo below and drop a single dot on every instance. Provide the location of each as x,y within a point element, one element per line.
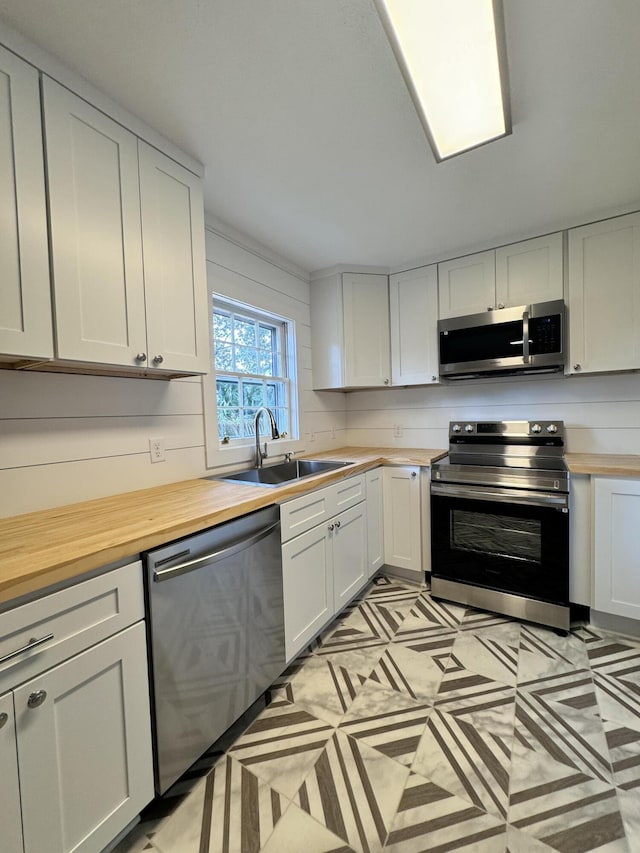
<point>398,431</point>
<point>156,449</point>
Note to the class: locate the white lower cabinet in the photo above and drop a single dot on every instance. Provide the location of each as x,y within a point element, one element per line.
<point>580,540</point>
<point>307,578</point>
<point>349,539</point>
<point>75,746</point>
<point>617,546</point>
<point>324,567</point>
<point>10,815</point>
<point>375,520</point>
<point>403,520</point>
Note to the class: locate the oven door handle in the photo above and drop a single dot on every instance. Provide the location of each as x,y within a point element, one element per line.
<point>510,496</point>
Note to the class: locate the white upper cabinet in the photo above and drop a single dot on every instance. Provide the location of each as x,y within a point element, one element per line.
<point>467,285</point>
<point>350,331</point>
<point>604,295</point>
<point>174,263</point>
<point>413,303</point>
<point>127,242</point>
<point>529,272</point>
<point>366,329</point>
<point>96,243</point>
<point>519,274</point>
<point>25,304</point>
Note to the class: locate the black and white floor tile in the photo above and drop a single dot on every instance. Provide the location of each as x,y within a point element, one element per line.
<point>417,725</point>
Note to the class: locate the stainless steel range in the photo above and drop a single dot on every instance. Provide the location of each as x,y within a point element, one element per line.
<point>500,520</point>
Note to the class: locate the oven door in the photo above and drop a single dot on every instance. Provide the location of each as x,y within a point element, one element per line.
<point>509,540</point>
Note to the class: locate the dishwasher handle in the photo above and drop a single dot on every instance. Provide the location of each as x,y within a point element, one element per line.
<point>160,575</point>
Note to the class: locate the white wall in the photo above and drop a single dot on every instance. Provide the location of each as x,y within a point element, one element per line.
<point>601,413</point>
<point>67,438</point>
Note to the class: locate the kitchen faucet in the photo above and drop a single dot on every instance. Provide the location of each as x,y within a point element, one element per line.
<point>262,454</point>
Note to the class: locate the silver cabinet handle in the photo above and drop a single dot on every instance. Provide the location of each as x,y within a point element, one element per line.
<point>36,698</point>
<point>489,307</point>
<point>32,644</point>
<point>413,475</point>
<point>434,378</point>
<point>330,526</point>
<point>577,367</point>
<point>3,719</point>
<point>158,359</point>
<point>500,305</point>
<point>142,356</point>
<point>386,381</point>
<point>337,524</point>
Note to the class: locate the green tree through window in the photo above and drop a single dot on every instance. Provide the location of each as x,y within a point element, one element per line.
<point>250,365</point>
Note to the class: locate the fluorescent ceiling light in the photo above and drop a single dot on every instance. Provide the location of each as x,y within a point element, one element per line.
<point>452,56</point>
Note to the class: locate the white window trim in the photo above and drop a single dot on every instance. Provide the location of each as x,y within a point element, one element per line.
<point>243,451</point>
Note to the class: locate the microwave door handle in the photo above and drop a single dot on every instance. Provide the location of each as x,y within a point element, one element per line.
<point>525,337</point>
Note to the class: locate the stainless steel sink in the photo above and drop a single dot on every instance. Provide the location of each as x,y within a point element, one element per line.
<point>279,475</point>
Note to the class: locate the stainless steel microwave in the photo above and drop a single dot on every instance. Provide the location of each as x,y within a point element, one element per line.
<point>526,339</point>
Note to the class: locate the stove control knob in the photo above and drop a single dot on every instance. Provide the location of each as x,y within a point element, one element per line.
<point>536,428</point>
<point>468,428</point>
<point>552,428</point>
<point>456,428</point>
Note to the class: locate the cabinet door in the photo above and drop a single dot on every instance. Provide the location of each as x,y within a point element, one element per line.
<point>580,535</point>
<point>307,578</point>
<point>375,521</point>
<point>350,571</point>
<point>529,272</point>
<point>10,816</point>
<point>366,330</point>
<point>174,264</point>
<point>413,302</point>
<point>617,546</point>
<point>96,246</point>
<point>467,285</point>
<point>604,295</point>
<point>25,302</point>
<point>84,752</point>
<point>402,521</point>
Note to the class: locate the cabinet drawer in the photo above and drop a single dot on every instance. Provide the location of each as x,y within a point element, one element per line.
<point>301,514</point>
<point>77,617</point>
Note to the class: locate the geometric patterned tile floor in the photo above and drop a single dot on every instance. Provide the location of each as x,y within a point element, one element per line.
<point>416,725</point>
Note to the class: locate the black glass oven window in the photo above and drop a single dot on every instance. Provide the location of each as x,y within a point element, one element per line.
<point>496,535</point>
<point>496,340</point>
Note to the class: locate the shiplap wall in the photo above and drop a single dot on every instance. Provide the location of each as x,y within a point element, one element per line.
<point>601,413</point>
<point>67,438</point>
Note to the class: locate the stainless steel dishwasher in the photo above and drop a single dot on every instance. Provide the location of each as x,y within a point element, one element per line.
<point>216,631</point>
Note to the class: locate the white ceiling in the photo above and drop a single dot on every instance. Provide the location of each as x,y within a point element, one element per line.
<point>310,140</point>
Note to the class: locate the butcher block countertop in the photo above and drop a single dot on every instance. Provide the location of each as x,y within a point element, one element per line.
<point>52,546</point>
<point>605,464</point>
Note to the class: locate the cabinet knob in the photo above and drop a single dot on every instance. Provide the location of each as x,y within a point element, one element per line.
<point>36,698</point>
<point>331,526</point>
<point>158,359</point>
<point>413,475</point>
<point>386,381</point>
<point>3,719</point>
<point>577,367</point>
<point>434,378</point>
<point>337,524</point>
<point>142,356</point>
<point>500,305</point>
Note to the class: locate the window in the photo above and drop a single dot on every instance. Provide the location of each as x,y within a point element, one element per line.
<point>250,353</point>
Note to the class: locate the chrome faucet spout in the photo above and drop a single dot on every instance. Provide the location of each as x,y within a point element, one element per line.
<point>262,454</point>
